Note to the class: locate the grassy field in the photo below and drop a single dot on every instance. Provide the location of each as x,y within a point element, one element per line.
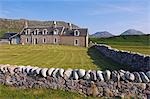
<point>50,56</point>
<point>131,43</point>
<point>7,92</point>
<point>65,57</point>
<point>57,56</point>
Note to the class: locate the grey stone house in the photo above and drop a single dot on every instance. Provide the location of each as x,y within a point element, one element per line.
<point>53,35</point>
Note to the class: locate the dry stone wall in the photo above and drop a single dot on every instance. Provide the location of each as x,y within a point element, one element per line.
<point>87,82</point>
<point>137,61</point>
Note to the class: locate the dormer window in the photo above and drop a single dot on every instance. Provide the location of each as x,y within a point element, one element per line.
<point>44,31</point>
<point>55,31</point>
<point>36,31</point>
<point>28,31</point>
<point>76,33</point>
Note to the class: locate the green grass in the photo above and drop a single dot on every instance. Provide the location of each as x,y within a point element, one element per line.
<point>139,44</point>
<point>7,92</point>
<point>57,56</point>
<point>50,56</point>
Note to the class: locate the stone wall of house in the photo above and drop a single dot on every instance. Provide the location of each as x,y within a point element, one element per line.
<point>137,61</point>
<point>49,39</point>
<point>87,82</point>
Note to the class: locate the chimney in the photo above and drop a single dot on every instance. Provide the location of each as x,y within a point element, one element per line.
<point>54,24</point>
<point>26,24</point>
<point>70,26</point>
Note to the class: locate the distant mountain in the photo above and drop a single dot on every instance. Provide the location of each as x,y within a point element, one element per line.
<point>132,32</point>
<point>103,34</point>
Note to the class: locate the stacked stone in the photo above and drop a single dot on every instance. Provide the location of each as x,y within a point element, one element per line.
<point>137,61</point>
<point>87,82</point>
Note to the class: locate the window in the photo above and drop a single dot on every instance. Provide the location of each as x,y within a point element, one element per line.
<point>36,31</point>
<point>28,31</point>
<point>76,42</point>
<point>44,40</point>
<point>55,31</point>
<point>55,40</point>
<point>76,33</point>
<point>44,31</point>
<point>27,40</point>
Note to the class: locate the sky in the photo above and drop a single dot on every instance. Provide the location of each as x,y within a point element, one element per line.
<point>114,16</point>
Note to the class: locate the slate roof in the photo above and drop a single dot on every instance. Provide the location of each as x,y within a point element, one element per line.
<point>8,35</point>
<point>70,32</point>
<point>62,30</point>
<point>49,29</point>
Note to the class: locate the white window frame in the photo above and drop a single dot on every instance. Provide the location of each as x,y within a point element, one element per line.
<point>77,42</point>
<point>44,31</point>
<point>27,31</point>
<point>56,31</point>
<point>76,32</point>
<point>36,31</point>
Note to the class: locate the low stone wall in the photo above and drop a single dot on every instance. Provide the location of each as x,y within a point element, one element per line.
<point>137,61</point>
<point>87,82</point>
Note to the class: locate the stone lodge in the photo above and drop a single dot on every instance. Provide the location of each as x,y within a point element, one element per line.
<point>52,35</point>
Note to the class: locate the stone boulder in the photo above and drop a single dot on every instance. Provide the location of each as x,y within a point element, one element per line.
<point>68,73</point>
<point>148,74</point>
<point>55,73</point>
<point>107,75</point>
<point>81,73</point>
<point>93,75</point>
<point>137,77</point>
<point>144,77</point>
<point>92,90</point>
<point>87,75</point>
<point>22,68</point>
<point>44,72</point>
<point>50,71</point>
<point>3,68</point>
<point>33,70</point>
<point>61,72</point>
<point>100,75</point>
<point>38,70</point>
<point>130,76</point>
<point>115,76</point>
<point>122,74</point>
<point>75,75</point>
<point>11,69</point>
<point>28,68</point>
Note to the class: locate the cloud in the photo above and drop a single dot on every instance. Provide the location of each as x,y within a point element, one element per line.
<point>110,9</point>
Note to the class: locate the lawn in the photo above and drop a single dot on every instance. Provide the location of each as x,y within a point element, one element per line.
<point>50,56</point>
<point>133,43</point>
<point>141,49</point>
<point>7,92</point>
<point>57,56</point>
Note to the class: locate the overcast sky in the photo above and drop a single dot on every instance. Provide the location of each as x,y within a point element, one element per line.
<point>114,16</point>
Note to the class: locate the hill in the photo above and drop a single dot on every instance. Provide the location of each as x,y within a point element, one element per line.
<point>103,34</point>
<point>132,32</point>
<point>15,25</point>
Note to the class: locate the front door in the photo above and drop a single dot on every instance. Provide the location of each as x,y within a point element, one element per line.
<point>35,41</point>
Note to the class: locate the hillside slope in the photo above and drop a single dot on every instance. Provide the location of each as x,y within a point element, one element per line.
<point>132,32</point>
<point>103,34</point>
<point>15,25</point>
